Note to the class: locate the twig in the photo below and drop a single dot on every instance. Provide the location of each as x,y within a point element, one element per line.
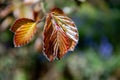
<point>41,20</point>
<point>43,7</point>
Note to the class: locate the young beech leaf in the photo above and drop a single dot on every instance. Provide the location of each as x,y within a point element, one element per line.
<point>60,35</point>
<point>18,23</point>
<point>24,30</point>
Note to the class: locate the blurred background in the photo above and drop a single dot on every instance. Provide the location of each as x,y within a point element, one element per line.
<point>96,56</point>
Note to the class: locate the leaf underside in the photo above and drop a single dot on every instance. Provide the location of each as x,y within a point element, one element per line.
<point>60,35</point>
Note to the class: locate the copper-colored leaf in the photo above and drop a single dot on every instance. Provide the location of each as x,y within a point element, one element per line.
<point>57,11</point>
<point>23,32</point>
<point>60,35</point>
<point>18,23</point>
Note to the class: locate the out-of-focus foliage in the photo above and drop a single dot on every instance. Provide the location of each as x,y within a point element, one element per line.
<point>96,56</point>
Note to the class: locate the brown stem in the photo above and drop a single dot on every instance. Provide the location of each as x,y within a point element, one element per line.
<point>41,19</point>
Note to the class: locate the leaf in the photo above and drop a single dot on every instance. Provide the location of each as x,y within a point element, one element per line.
<point>60,35</point>
<point>18,23</point>
<point>24,30</point>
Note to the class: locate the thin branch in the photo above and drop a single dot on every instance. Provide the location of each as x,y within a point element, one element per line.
<point>41,20</point>
<point>43,7</point>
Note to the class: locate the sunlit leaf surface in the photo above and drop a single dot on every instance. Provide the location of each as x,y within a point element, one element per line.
<point>24,30</point>
<point>18,23</point>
